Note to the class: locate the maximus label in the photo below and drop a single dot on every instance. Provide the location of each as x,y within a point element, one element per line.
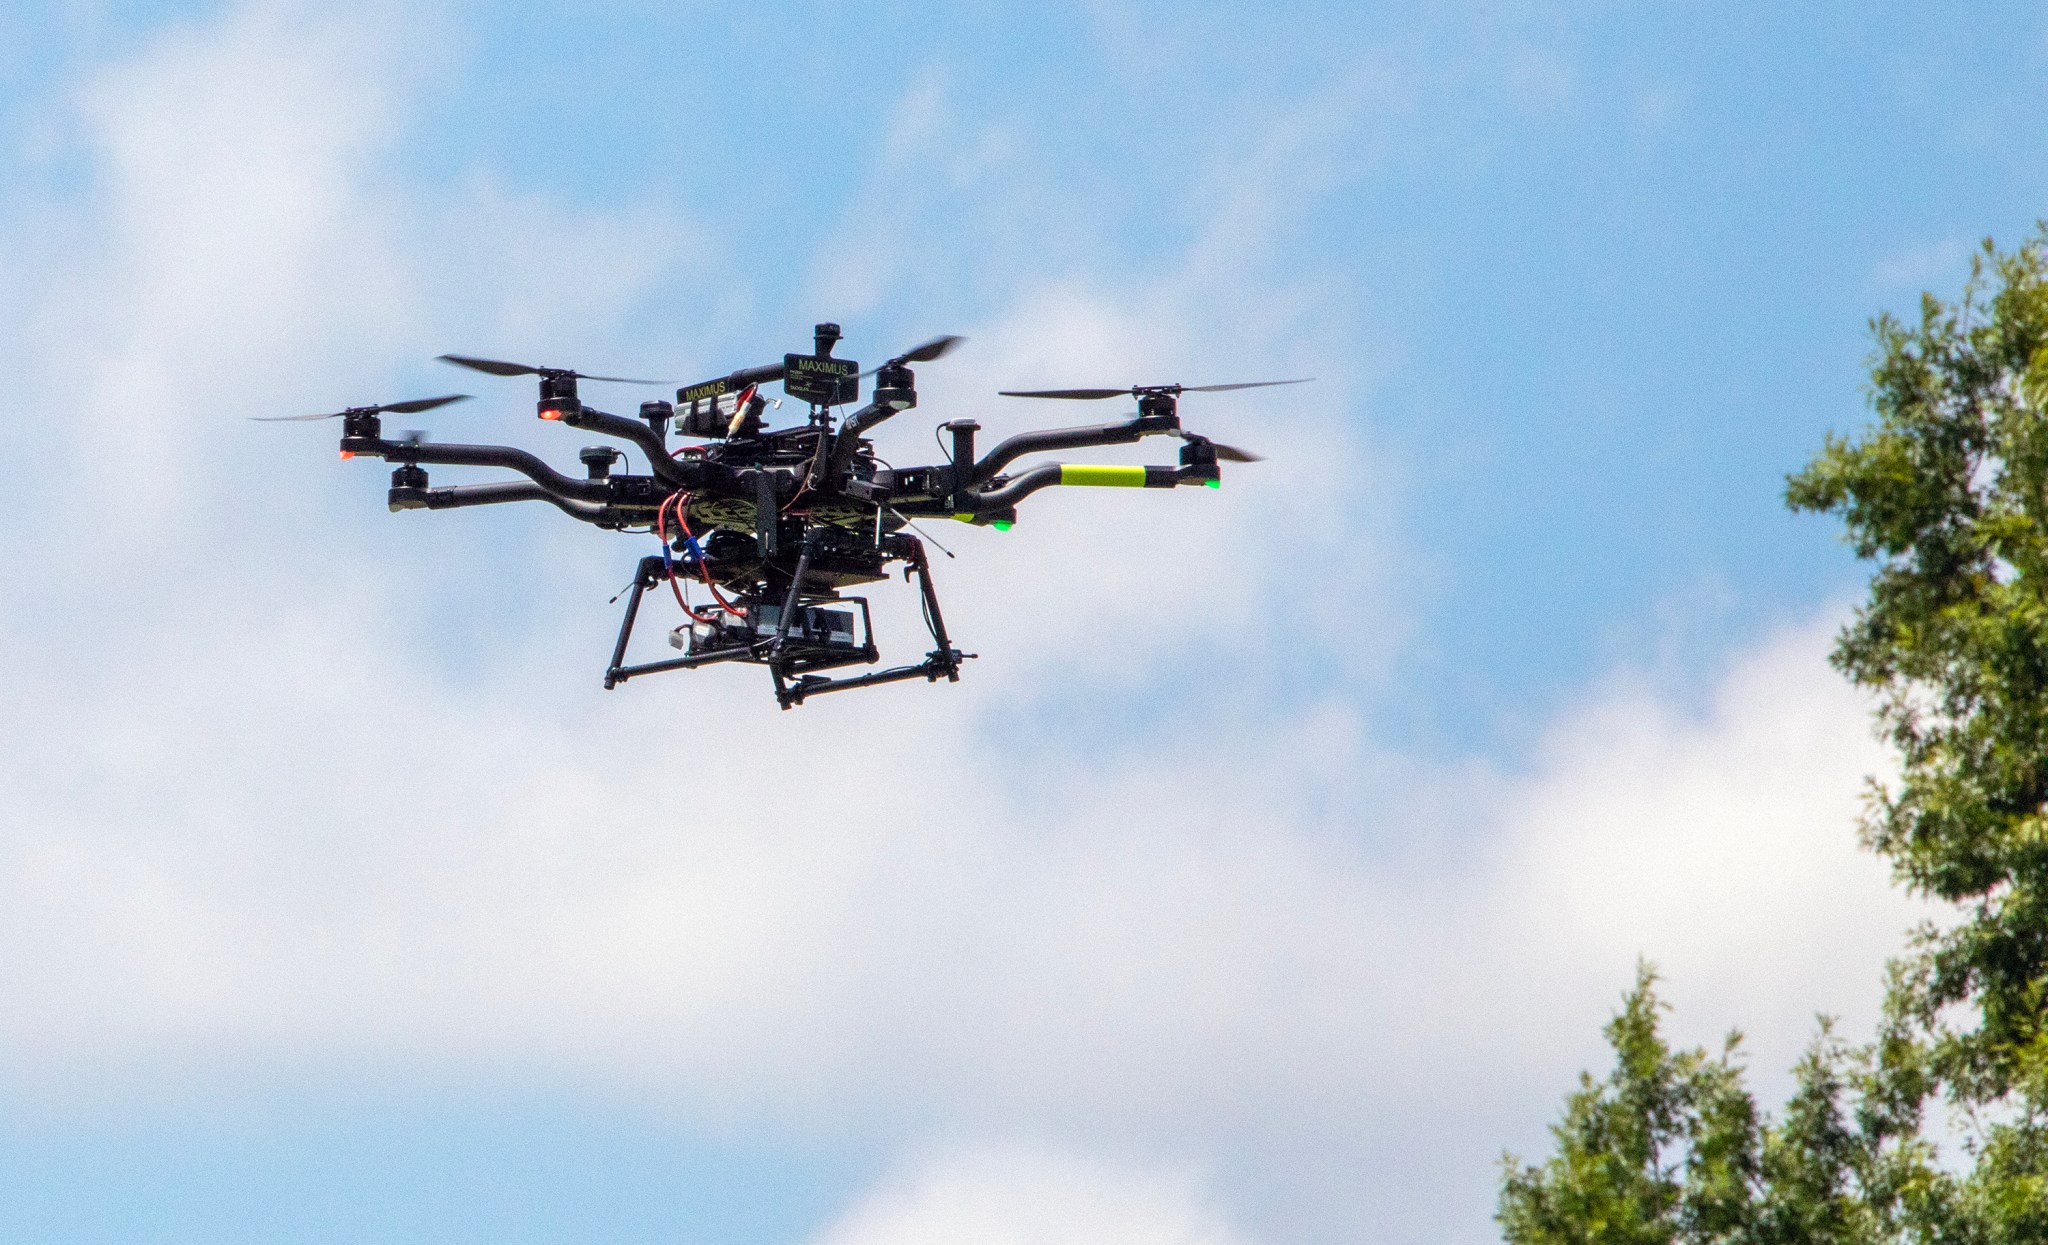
<point>709,389</point>
<point>819,380</point>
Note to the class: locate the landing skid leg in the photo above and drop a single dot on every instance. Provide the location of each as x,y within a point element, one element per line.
<point>645,576</point>
<point>943,661</point>
<point>651,572</point>
<point>945,652</point>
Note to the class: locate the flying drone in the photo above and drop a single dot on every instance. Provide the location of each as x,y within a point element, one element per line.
<point>775,524</point>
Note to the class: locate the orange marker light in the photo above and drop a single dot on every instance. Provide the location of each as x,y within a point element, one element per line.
<point>347,454</point>
<point>550,414</point>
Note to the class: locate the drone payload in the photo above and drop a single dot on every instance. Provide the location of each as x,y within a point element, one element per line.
<point>776,524</point>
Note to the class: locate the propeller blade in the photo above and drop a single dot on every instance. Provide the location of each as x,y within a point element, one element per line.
<point>492,366</point>
<point>926,352</point>
<point>936,348</point>
<point>417,405</point>
<point>622,380</point>
<point>1256,384</point>
<point>1136,390</point>
<point>1083,394</point>
<point>413,407</point>
<point>1228,453</point>
<point>498,367</point>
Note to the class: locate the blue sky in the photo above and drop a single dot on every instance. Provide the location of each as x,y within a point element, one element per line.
<point>1275,865</point>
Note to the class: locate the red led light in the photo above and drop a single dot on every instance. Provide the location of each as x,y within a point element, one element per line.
<point>347,454</point>
<point>550,414</point>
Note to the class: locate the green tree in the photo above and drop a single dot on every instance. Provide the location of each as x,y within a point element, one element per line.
<point>1671,1150</point>
<point>1665,1149</point>
<point>1947,496</point>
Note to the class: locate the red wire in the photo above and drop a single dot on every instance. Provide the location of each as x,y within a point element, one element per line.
<point>681,502</point>
<point>661,519</point>
<point>804,485</point>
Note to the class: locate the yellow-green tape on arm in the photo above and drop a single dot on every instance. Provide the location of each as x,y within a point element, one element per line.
<point>1103,477</point>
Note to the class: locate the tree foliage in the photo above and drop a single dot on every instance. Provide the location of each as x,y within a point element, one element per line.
<point>1947,496</point>
<point>1663,1150</point>
<point>1670,1150</point>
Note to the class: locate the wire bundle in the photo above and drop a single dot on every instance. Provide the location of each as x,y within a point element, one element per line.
<point>680,502</point>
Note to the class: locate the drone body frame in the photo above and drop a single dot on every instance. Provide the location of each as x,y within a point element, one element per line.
<point>777,524</point>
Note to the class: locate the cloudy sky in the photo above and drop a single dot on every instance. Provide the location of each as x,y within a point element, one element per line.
<point>1276,864</point>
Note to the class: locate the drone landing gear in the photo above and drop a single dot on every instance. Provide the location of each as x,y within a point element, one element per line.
<point>793,639</point>
<point>942,662</point>
<point>650,572</point>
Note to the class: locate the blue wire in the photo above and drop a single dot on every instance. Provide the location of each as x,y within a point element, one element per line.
<point>696,552</point>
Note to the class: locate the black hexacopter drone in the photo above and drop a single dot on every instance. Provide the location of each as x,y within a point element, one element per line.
<point>774,523</point>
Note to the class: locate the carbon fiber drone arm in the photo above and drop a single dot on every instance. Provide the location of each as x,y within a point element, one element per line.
<point>458,495</point>
<point>550,481</point>
<point>846,443</point>
<point>1011,491</point>
<point>649,441</point>
<point>1082,437</point>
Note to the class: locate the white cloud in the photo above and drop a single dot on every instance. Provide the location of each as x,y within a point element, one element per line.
<point>1216,948</point>
<point>1926,266</point>
<point>257,821</point>
<point>1720,846</point>
<point>1027,1198</point>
